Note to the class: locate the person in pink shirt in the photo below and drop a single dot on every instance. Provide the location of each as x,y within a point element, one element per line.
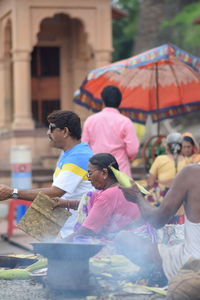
<point>111,132</point>
<point>108,210</point>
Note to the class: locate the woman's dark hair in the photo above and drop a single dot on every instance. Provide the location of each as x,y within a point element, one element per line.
<point>175,148</point>
<point>111,96</point>
<point>188,139</point>
<point>65,118</point>
<point>103,161</point>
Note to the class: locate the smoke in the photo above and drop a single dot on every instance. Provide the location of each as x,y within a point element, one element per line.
<point>136,248</point>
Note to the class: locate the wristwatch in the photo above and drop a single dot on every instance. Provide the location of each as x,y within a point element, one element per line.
<point>15,194</point>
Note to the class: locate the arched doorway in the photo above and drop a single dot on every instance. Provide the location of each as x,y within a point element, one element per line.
<point>45,73</point>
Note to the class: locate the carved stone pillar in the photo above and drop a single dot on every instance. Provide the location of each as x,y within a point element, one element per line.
<point>22,90</point>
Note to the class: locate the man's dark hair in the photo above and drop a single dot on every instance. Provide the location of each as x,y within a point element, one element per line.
<point>111,96</point>
<point>65,118</point>
<point>103,161</point>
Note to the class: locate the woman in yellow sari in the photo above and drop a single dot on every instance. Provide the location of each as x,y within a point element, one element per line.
<point>164,169</point>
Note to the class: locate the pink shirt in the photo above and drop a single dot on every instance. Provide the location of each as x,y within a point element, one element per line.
<point>110,211</point>
<point>111,132</point>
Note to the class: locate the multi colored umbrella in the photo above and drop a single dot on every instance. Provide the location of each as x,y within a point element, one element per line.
<point>163,82</point>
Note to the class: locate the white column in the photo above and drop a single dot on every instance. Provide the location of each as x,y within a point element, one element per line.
<point>22,90</point>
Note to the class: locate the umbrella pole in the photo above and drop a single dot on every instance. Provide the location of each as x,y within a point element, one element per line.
<point>157,99</point>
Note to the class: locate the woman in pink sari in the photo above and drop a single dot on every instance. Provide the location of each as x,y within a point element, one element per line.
<point>107,211</point>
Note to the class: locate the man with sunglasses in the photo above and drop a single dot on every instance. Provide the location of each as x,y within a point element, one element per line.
<point>70,180</point>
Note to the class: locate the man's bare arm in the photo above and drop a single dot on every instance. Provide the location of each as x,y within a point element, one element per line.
<point>53,191</point>
<point>158,216</point>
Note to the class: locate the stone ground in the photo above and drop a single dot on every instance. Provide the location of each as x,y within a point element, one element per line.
<point>18,239</point>
<point>32,290</point>
<point>36,289</point>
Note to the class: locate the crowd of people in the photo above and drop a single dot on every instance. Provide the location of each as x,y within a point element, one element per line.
<point>84,183</point>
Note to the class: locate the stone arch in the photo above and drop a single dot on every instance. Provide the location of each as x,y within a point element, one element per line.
<point>68,24</point>
<point>76,57</point>
<point>78,14</point>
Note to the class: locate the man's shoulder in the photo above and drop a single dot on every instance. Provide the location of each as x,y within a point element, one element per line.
<point>116,115</point>
<point>77,154</point>
<point>192,167</point>
<point>113,114</point>
<point>126,119</point>
<point>190,171</point>
<point>94,116</point>
<point>81,148</point>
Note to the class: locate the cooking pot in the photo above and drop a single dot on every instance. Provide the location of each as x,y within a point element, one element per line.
<point>62,251</point>
<point>68,264</point>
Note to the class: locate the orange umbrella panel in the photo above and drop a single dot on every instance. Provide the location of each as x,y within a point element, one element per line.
<point>164,86</point>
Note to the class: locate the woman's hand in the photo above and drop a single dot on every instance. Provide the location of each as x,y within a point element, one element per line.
<point>69,204</point>
<point>131,193</point>
<point>61,203</point>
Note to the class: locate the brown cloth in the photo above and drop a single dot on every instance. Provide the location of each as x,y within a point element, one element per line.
<point>41,221</point>
<point>186,284</point>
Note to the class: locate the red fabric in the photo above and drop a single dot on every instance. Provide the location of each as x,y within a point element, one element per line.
<point>11,213</point>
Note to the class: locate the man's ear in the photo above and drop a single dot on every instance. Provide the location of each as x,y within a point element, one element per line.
<point>66,132</point>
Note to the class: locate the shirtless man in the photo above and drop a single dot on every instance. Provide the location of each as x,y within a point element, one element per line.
<point>184,190</point>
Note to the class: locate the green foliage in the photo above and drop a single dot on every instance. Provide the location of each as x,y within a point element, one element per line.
<point>185,33</point>
<point>124,29</point>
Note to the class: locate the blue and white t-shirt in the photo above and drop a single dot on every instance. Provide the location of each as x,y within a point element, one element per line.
<point>71,172</point>
<point>71,175</point>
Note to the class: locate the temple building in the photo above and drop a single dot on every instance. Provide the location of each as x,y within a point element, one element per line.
<point>47,48</point>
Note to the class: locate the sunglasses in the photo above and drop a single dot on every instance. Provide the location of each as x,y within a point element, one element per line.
<point>52,127</point>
